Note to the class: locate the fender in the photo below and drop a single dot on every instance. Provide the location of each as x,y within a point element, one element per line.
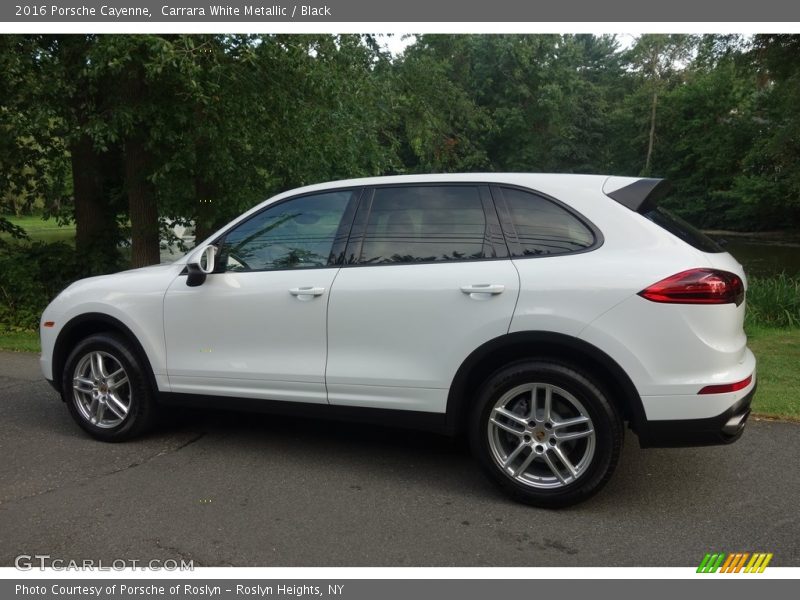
<point>86,324</point>
<point>495,353</point>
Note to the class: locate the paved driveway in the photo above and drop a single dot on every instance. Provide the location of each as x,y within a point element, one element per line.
<point>228,489</point>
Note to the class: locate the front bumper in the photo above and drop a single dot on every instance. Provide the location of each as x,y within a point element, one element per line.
<point>724,428</point>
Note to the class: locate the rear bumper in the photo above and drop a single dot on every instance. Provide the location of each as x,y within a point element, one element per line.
<point>724,428</point>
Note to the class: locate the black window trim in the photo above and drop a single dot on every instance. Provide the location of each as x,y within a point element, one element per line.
<point>510,231</point>
<point>355,241</point>
<point>493,236</point>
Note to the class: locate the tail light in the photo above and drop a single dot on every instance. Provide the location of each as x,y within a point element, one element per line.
<point>697,286</point>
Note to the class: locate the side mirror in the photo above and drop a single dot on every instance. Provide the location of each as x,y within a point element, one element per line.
<point>197,271</point>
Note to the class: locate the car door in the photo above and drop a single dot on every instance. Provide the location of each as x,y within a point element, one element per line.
<point>256,328</point>
<point>427,280</point>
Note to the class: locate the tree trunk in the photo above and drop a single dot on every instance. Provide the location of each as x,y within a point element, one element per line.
<point>142,206</point>
<point>651,141</point>
<point>95,221</point>
<point>96,232</point>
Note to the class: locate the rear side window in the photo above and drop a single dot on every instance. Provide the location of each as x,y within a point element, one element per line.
<point>681,229</point>
<point>543,227</point>
<point>413,224</point>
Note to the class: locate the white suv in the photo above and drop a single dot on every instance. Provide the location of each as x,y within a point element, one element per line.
<point>534,313</point>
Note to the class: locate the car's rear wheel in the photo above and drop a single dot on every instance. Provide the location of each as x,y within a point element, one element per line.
<point>106,388</point>
<point>546,433</point>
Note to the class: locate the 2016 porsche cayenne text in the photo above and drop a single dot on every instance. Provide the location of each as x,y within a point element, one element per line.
<point>535,314</point>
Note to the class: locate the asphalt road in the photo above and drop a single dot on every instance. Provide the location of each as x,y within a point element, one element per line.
<point>229,489</point>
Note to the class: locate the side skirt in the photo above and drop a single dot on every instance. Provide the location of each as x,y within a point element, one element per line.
<point>405,419</point>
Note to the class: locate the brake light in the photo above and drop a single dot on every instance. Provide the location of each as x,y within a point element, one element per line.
<point>726,387</point>
<point>697,286</point>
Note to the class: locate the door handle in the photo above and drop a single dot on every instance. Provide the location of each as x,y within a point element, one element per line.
<point>483,288</point>
<point>307,291</point>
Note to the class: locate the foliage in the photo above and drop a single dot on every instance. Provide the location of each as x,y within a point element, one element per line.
<point>33,157</point>
<point>768,187</point>
<point>128,134</point>
<point>15,231</point>
<point>773,301</point>
<point>30,276</point>
<point>507,102</point>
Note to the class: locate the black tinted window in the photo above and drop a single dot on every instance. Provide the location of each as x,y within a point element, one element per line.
<point>295,234</point>
<point>543,227</point>
<point>424,224</point>
<point>680,228</point>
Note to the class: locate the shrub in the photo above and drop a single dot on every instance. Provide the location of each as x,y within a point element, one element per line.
<point>30,276</point>
<point>773,301</point>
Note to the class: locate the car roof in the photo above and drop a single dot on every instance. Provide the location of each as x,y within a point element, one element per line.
<point>544,182</point>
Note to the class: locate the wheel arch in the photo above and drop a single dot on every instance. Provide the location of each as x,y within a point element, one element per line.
<point>87,324</point>
<point>500,351</point>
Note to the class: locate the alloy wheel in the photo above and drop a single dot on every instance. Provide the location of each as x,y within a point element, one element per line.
<point>541,435</point>
<point>101,390</point>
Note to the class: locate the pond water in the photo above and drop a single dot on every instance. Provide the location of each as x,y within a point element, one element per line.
<point>764,259</point>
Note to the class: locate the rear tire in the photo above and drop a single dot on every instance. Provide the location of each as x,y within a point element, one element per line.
<point>107,390</point>
<point>545,433</point>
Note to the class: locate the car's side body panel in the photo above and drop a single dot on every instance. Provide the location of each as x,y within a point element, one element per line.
<point>398,333</point>
<point>246,335</point>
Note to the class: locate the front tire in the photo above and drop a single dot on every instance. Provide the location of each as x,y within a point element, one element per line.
<point>106,388</point>
<point>546,433</point>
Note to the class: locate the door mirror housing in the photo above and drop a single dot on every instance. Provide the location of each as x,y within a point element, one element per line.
<point>204,264</point>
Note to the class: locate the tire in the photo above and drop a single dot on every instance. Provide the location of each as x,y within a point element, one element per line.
<point>110,397</point>
<point>521,450</point>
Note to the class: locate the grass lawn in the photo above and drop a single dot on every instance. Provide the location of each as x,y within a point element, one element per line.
<point>19,341</point>
<point>41,230</point>
<point>777,351</point>
<point>778,355</point>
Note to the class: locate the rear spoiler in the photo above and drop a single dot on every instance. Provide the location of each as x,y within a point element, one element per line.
<point>641,195</point>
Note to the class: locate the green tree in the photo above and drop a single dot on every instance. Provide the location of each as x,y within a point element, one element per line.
<point>768,186</point>
<point>509,102</point>
<point>707,129</point>
<point>33,165</point>
<point>159,129</point>
<point>658,60</point>
<point>53,103</point>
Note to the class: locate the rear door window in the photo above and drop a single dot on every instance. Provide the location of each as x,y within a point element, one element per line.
<point>422,224</point>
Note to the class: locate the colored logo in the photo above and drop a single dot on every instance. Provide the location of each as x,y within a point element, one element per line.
<point>738,562</point>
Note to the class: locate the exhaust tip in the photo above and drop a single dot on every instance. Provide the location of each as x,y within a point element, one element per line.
<point>735,424</point>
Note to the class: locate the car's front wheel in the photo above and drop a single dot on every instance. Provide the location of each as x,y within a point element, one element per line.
<point>546,433</point>
<point>106,388</point>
